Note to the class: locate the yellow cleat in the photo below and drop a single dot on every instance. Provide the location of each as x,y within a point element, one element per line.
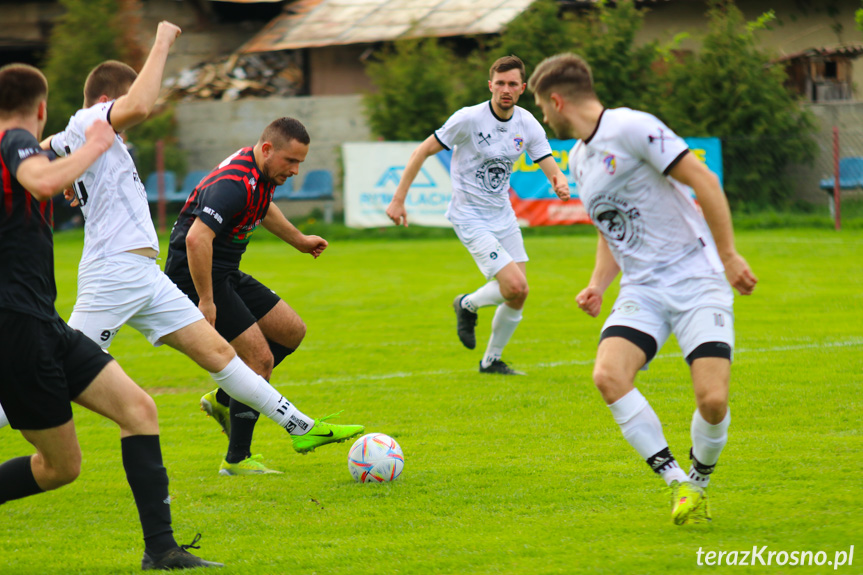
<point>686,503</point>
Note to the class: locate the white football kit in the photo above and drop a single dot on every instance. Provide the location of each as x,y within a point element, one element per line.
<point>672,276</point>
<point>116,287</point>
<point>484,150</point>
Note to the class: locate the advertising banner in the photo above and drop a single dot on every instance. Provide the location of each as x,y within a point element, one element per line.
<point>373,170</point>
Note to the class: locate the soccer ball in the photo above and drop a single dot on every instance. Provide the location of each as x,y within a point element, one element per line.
<point>375,458</point>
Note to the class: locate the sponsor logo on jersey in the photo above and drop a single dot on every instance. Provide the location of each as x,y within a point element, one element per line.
<point>216,215</point>
<point>619,222</point>
<point>661,138</point>
<point>519,143</point>
<point>493,175</point>
<point>610,163</point>
<point>27,152</point>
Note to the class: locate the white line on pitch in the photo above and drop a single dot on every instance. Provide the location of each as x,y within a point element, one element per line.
<point>403,374</point>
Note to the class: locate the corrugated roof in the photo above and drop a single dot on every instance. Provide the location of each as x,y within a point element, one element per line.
<point>315,23</point>
<point>849,50</point>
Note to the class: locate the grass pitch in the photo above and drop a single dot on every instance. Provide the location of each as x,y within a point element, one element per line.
<point>502,475</point>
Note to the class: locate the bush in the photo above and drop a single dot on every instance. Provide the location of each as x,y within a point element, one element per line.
<point>729,90</point>
<point>414,94</point>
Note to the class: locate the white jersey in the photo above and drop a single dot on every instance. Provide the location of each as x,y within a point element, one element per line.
<point>112,197</point>
<point>484,150</point>
<point>656,232</point>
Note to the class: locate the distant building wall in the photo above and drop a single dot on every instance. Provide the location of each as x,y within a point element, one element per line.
<point>338,70</point>
<point>210,131</point>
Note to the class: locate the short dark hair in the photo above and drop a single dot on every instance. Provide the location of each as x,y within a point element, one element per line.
<point>283,130</point>
<point>22,87</point>
<point>110,78</point>
<point>506,64</point>
<point>567,74</point>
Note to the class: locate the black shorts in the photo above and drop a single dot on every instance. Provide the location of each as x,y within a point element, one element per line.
<point>240,300</point>
<point>44,365</point>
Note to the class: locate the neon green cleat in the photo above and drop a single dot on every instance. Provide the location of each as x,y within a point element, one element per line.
<point>249,466</point>
<point>322,433</point>
<point>219,412</point>
<point>686,503</point>
<point>702,512</point>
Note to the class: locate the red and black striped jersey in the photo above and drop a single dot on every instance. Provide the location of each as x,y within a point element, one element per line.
<point>26,234</point>
<point>232,200</point>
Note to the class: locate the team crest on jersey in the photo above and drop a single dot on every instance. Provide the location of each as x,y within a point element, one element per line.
<point>252,181</point>
<point>519,143</point>
<point>493,174</point>
<point>619,222</point>
<point>610,163</point>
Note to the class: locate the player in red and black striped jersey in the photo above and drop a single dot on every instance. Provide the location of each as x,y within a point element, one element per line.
<point>207,243</point>
<point>45,363</point>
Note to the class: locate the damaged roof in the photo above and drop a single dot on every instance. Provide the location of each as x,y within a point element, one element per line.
<point>847,50</point>
<point>315,23</point>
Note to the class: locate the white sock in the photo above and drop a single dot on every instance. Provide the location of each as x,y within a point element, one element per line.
<point>487,295</point>
<point>4,421</point>
<point>642,429</point>
<point>503,325</point>
<point>246,386</point>
<point>707,443</point>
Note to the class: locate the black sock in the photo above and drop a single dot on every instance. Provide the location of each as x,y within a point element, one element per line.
<point>223,397</point>
<point>16,479</point>
<point>243,420</point>
<point>279,352</point>
<point>142,459</point>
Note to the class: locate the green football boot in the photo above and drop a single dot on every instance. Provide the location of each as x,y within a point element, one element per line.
<point>249,466</point>
<point>702,513</point>
<point>322,433</point>
<point>686,499</point>
<point>221,413</point>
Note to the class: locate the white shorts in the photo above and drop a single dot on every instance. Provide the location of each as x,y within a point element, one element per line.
<point>492,247</point>
<point>695,310</point>
<point>128,288</point>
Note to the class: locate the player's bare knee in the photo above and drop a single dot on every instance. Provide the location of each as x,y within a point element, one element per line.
<point>607,380</point>
<point>262,363</point>
<point>56,474</point>
<point>515,291</point>
<point>713,406</point>
<point>140,416</point>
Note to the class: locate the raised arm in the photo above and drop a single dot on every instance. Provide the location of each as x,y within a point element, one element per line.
<point>396,210</point>
<point>557,178</point>
<point>134,107</point>
<point>44,178</point>
<point>695,174</point>
<point>276,223</point>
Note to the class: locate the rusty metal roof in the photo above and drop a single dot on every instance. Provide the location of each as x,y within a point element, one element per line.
<point>847,50</point>
<point>315,23</point>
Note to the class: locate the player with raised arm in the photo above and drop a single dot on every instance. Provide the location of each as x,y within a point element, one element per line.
<point>119,280</point>
<point>208,241</point>
<point>628,166</point>
<point>486,140</point>
<point>46,365</point>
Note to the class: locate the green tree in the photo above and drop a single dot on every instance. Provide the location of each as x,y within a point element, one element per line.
<point>88,33</point>
<point>415,87</point>
<point>624,73</point>
<point>729,90</point>
<point>84,36</point>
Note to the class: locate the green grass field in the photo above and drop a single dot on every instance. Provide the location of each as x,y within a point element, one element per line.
<point>502,475</point>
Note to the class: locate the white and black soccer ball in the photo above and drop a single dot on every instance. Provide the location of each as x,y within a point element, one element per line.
<point>375,458</point>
